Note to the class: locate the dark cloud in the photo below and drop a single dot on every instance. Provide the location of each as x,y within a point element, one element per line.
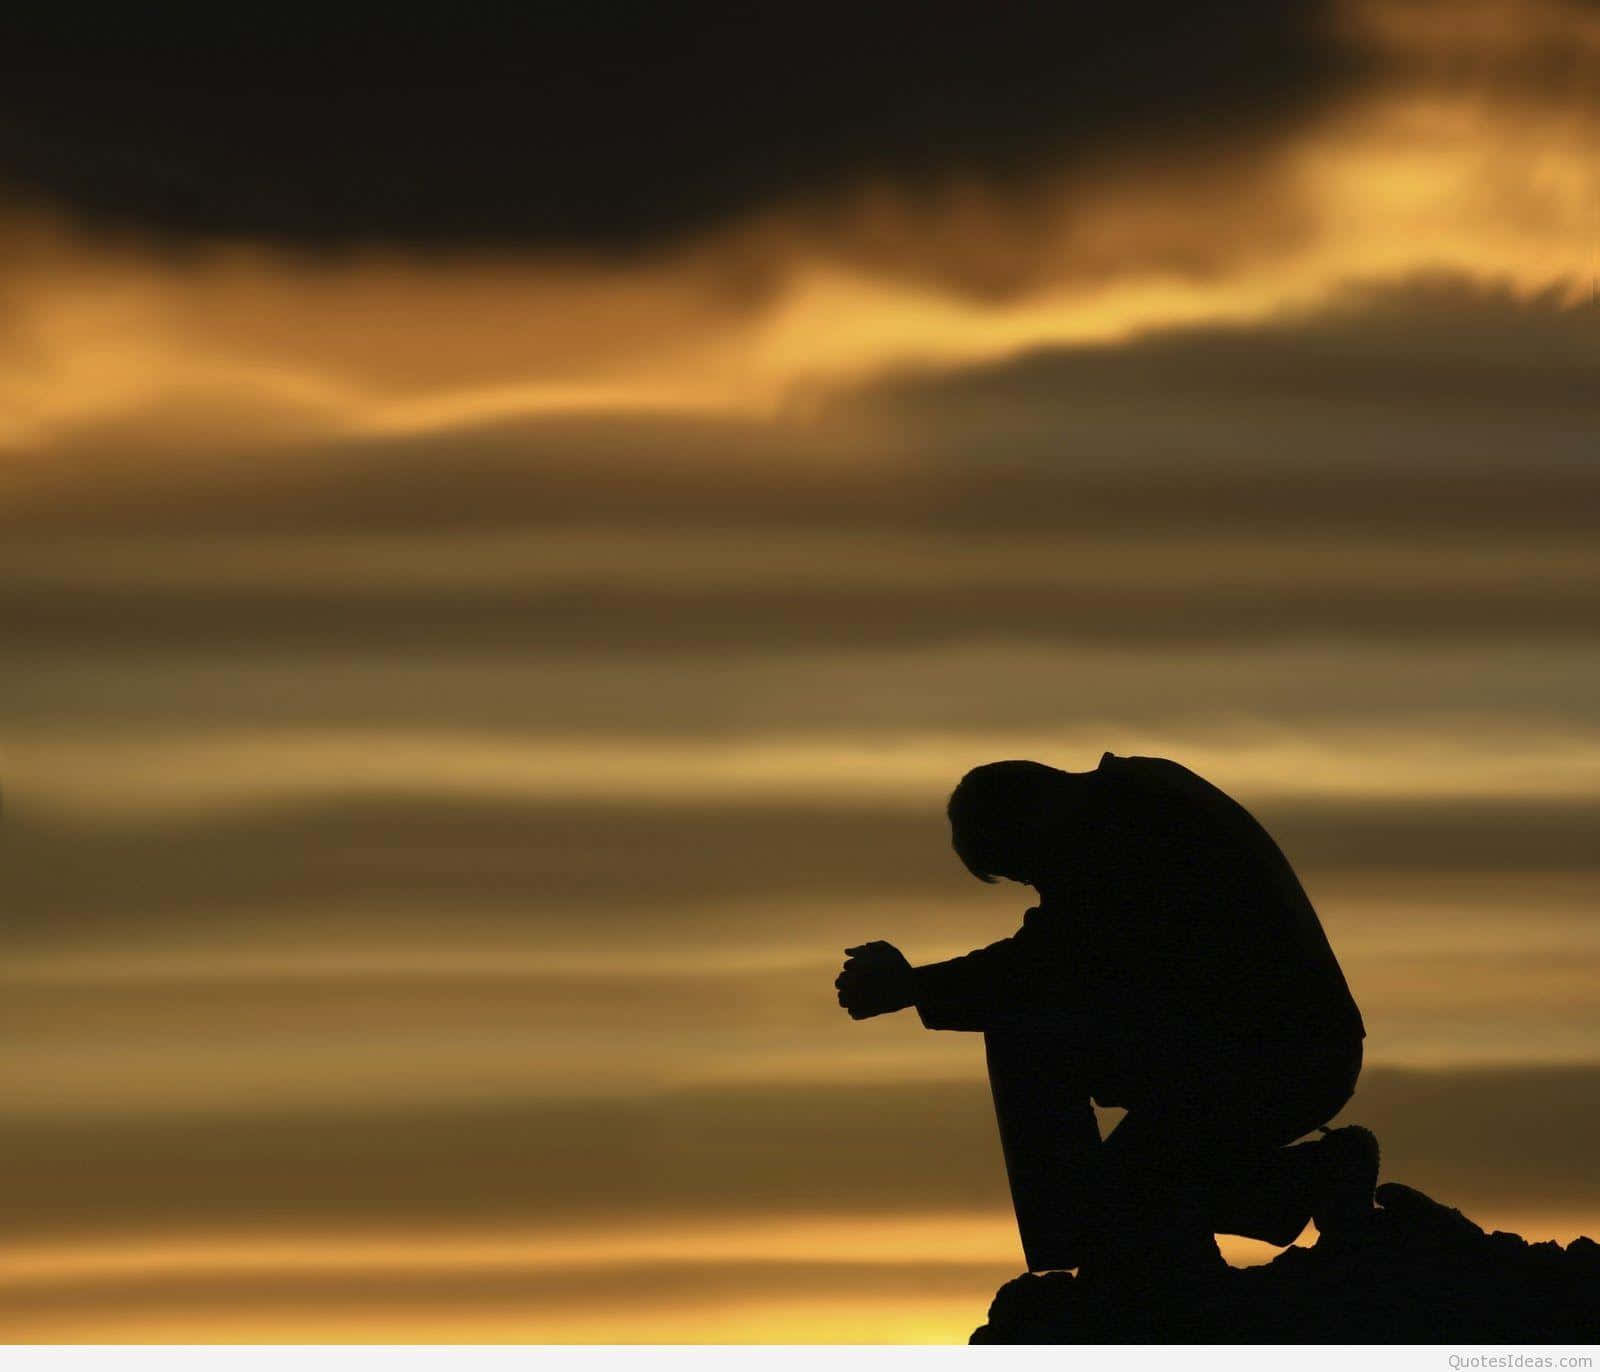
<point>1505,1138</point>
<point>614,126</point>
<point>1005,689</point>
<point>690,1154</point>
<point>646,871</point>
<point>1390,412</point>
<point>1508,1138</point>
<point>637,470</point>
<point>1100,610</point>
<point>1428,380</point>
<point>658,472</point>
<point>502,997</point>
<point>506,862</point>
<point>1540,51</point>
<point>1438,834</point>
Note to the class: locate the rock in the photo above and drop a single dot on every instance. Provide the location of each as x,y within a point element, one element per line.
<point>1414,1271</point>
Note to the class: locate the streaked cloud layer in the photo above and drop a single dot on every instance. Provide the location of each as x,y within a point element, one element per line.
<point>466,680</point>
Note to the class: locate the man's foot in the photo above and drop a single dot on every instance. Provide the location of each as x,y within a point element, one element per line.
<point>1169,1261</point>
<point>1172,1247</point>
<point>1346,1171</point>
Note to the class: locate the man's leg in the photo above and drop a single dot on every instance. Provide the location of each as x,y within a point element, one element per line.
<point>1269,1192</point>
<point>1156,1187</point>
<point>1170,1179</point>
<point>1050,1138</point>
<point>1220,1161</point>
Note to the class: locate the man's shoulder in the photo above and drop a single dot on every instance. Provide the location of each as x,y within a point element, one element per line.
<point>1156,775</point>
<point>1159,790</point>
<point>1136,765</point>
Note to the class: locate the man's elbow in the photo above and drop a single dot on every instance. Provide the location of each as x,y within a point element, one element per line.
<point>935,1016</point>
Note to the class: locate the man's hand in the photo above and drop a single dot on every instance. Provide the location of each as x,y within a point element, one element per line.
<point>876,980</point>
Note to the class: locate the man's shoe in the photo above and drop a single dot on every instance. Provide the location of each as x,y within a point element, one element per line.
<point>1346,1162</point>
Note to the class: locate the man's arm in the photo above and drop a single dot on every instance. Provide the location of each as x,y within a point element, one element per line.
<point>1030,981</point>
<point>968,992</point>
<point>1016,983</point>
<point>975,991</point>
<point>979,990</point>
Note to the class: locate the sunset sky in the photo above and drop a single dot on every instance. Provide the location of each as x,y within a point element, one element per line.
<point>509,533</point>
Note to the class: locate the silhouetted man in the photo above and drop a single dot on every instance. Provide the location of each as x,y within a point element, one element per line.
<point>1173,967</point>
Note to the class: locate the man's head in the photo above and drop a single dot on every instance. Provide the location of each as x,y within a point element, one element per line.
<point>1007,818</point>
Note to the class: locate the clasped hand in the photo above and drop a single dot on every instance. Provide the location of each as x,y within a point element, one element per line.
<point>876,980</point>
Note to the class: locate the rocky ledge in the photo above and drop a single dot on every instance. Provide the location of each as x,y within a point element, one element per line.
<point>1414,1271</point>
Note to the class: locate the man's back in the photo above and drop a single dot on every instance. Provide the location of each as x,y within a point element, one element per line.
<point>1202,940</point>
